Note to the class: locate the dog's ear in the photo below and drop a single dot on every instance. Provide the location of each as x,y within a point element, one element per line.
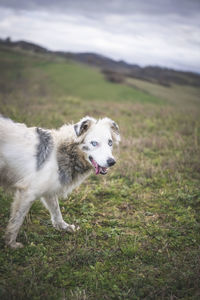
<point>114,130</point>
<point>83,125</point>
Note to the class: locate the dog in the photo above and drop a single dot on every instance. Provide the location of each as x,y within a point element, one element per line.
<point>46,164</point>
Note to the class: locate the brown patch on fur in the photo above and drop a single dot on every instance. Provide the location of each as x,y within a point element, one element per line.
<point>71,162</point>
<point>7,179</point>
<point>85,148</point>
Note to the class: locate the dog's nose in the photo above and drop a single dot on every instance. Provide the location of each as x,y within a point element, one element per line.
<point>111,162</point>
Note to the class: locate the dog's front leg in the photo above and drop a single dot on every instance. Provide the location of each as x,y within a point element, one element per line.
<point>51,203</point>
<point>20,207</point>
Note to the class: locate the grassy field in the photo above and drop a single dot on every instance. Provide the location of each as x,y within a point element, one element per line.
<point>140,224</point>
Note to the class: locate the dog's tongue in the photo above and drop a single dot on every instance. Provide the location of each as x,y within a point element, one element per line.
<point>97,168</point>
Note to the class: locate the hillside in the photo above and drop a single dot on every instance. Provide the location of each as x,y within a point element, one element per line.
<point>140,224</point>
<point>154,74</point>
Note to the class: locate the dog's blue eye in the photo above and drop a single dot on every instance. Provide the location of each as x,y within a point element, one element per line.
<point>94,144</point>
<point>110,143</point>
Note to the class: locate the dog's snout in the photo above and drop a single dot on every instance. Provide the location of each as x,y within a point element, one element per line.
<point>111,162</point>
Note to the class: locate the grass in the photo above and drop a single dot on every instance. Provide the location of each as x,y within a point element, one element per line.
<point>140,225</point>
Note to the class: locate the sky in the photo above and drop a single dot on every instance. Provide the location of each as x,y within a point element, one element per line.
<point>145,32</point>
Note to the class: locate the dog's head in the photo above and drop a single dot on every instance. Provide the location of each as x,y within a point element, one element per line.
<point>96,141</point>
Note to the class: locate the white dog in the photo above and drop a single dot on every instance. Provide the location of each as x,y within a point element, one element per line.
<point>43,164</point>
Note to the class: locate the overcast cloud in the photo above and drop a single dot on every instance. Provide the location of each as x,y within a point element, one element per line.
<point>149,32</point>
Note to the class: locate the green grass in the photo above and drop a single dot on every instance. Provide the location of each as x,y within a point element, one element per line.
<point>140,224</point>
<point>66,77</point>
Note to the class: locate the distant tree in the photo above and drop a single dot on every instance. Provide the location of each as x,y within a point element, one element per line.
<point>8,40</point>
<point>113,76</point>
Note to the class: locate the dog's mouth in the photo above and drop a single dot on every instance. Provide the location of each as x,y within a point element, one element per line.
<point>98,168</point>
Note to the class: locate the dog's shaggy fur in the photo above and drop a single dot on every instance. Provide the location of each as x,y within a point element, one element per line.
<point>41,163</point>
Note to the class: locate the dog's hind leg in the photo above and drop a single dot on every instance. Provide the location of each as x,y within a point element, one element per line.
<point>20,207</point>
<point>51,203</point>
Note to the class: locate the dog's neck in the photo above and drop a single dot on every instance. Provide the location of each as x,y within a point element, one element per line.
<point>72,162</point>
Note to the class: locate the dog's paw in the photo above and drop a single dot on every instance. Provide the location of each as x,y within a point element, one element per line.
<point>15,245</point>
<point>66,227</point>
<point>72,228</point>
